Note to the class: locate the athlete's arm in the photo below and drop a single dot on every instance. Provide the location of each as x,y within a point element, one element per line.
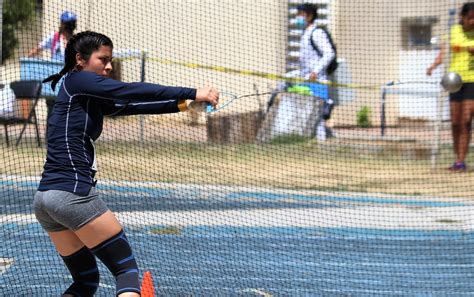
<point>100,87</point>
<point>438,61</point>
<point>149,107</point>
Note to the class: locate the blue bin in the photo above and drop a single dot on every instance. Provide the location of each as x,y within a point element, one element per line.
<point>39,69</point>
<point>318,90</point>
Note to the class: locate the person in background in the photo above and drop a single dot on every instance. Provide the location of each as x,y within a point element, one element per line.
<point>461,103</point>
<point>56,42</point>
<point>313,63</point>
<point>316,53</point>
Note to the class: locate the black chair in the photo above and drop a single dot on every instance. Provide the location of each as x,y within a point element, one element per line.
<point>23,90</point>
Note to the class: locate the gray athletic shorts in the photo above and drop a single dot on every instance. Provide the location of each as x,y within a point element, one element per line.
<point>60,210</point>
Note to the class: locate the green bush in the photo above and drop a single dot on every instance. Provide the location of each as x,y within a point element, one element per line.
<point>363,117</point>
<point>16,14</point>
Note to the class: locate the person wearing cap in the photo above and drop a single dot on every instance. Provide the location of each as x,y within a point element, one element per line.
<point>56,41</point>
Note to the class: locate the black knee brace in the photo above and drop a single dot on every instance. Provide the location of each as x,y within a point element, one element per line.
<point>116,254</point>
<point>84,272</point>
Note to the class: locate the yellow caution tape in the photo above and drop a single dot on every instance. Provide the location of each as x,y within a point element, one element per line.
<point>269,76</point>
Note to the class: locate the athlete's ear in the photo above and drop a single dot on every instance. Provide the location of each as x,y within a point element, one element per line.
<point>80,61</point>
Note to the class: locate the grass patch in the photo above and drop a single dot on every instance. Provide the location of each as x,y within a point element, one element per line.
<point>166,230</point>
<point>288,162</point>
<point>448,221</point>
<point>289,139</point>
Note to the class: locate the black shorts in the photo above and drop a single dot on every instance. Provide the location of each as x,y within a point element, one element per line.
<point>466,92</point>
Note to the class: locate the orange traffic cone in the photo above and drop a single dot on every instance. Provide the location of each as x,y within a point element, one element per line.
<point>147,285</point>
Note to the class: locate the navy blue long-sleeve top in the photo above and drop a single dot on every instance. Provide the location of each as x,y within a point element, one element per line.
<point>77,119</point>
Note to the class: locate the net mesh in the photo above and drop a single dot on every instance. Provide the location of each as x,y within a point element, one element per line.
<point>264,197</point>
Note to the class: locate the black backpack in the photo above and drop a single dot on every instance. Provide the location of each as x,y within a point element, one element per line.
<point>333,64</point>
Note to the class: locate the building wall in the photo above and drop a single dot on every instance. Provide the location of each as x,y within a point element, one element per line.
<point>369,37</point>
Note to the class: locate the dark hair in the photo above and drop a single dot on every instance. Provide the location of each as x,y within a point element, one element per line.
<point>466,8</point>
<point>309,9</point>
<point>69,26</point>
<point>84,44</point>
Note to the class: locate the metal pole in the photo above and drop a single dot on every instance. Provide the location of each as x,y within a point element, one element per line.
<point>1,33</point>
<point>435,149</point>
<point>382,111</point>
<point>89,12</point>
<point>142,70</point>
<point>142,117</point>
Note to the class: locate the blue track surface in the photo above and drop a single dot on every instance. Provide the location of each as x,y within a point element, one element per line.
<point>252,261</point>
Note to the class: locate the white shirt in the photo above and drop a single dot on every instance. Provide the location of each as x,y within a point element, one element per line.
<point>310,61</point>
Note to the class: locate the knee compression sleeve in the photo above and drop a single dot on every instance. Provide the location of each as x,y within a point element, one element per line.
<point>84,272</point>
<point>117,255</point>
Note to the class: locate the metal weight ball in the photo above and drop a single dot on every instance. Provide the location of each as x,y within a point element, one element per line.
<point>451,82</point>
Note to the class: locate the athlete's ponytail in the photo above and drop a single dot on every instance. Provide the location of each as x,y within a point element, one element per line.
<point>84,44</point>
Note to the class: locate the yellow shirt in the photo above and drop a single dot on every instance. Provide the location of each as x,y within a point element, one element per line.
<point>462,62</point>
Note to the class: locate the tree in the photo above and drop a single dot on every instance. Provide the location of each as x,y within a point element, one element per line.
<point>16,15</point>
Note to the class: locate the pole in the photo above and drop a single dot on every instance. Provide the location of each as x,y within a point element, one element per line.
<point>382,111</point>
<point>89,12</point>
<point>435,149</point>
<point>142,117</point>
<point>1,33</point>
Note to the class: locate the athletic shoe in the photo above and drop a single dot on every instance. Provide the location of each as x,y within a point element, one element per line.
<point>458,167</point>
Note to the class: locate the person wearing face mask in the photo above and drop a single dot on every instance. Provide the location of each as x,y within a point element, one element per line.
<point>316,50</point>
<point>317,56</point>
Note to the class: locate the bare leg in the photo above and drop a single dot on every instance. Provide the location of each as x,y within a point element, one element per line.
<point>66,242</point>
<point>99,229</point>
<point>465,133</point>
<point>456,122</point>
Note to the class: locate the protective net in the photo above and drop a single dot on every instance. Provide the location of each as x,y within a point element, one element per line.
<point>333,186</point>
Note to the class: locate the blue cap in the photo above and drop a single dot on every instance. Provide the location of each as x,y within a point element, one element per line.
<point>68,16</point>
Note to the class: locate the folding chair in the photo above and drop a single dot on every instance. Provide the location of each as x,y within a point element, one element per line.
<point>23,90</point>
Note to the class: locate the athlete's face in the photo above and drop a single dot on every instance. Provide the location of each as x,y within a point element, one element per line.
<point>100,61</point>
